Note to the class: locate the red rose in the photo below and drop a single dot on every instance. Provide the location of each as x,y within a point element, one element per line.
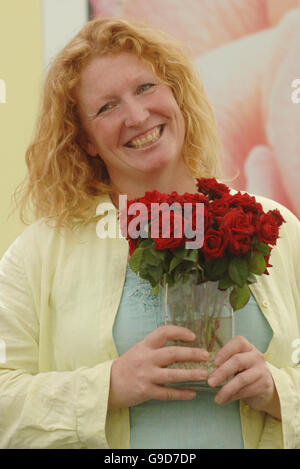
<point>240,228</point>
<point>175,235</point>
<point>215,243</point>
<point>237,221</point>
<point>133,228</point>
<point>132,246</point>
<point>277,216</point>
<point>173,197</point>
<point>239,243</point>
<point>246,202</point>
<point>196,219</point>
<point>212,188</point>
<point>192,198</point>
<point>267,229</point>
<point>153,196</point>
<point>220,207</point>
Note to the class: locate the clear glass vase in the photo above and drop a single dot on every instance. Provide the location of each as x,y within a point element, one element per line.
<point>205,310</point>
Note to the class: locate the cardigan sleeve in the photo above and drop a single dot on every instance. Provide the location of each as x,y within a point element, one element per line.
<point>287,379</point>
<point>281,287</point>
<point>42,409</point>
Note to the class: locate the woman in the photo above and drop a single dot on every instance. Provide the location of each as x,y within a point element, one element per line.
<point>123,112</point>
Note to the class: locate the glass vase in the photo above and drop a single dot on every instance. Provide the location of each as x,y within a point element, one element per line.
<point>205,310</point>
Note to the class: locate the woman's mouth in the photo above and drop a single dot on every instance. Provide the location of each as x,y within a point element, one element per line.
<point>148,139</point>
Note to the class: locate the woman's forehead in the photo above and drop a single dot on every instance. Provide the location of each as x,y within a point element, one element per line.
<point>106,71</point>
<point>106,77</point>
<point>122,59</point>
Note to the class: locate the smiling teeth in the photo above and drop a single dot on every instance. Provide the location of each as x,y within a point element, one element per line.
<point>151,138</point>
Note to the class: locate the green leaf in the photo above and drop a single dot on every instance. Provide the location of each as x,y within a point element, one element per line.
<point>263,248</point>
<point>256,263</point>
<point>239,297</point>
<point>159,254</point>
<point>174,263</point>
<point>150,258</point>
<point>192,255</point>
<point>146,243</point>
<point>181,253</point>
<point>177,275</point>
<point>225,283</point>
<point>186,254</point>
<point>156,273</point>
<point>169,280</point>
<point>238,271</point>
<point>155,290</point>
<point>136,259</point>
<point>216,268</point>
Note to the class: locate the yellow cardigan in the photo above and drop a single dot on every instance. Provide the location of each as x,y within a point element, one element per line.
<point>59,295</point>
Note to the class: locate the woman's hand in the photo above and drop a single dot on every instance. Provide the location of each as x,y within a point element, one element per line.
<point>251,381</point>
<point>137,375</point>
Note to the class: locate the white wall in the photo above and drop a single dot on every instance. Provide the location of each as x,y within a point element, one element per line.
<point>61,20</point>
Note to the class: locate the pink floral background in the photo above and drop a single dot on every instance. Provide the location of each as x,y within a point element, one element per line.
<point>248,55</point>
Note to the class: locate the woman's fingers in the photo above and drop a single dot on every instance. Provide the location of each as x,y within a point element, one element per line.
<point>160,336</point>
<point>250,377</point>
<point>246,392</point>
<point>172,354</point>
<point>244,383</point>
<point>237,344</point>
<point>178,375</point>
<point>235,364</point>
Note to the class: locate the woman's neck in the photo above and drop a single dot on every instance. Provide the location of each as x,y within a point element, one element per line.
<point>185,182</point>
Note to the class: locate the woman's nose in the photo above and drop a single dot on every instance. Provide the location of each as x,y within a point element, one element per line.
<point>135,113</point>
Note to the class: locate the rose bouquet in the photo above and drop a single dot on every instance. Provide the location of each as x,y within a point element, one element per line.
<point>202,250</point>
<point>238,238</point>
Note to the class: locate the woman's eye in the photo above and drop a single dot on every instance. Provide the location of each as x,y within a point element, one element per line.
<point>145,87</point>
<point>104,108</point>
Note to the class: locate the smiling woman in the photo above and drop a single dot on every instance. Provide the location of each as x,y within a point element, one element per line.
<point>157,91</point>
<point>134,122</point>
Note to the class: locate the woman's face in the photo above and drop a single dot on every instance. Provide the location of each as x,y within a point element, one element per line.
<point>130,118</point>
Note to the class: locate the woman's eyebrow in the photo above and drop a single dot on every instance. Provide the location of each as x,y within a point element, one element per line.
<point>135,81</point>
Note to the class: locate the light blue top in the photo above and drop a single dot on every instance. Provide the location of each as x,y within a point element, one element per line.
<point>195,424</point>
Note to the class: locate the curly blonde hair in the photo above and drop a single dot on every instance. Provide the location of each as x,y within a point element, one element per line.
<point>63,181</point>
